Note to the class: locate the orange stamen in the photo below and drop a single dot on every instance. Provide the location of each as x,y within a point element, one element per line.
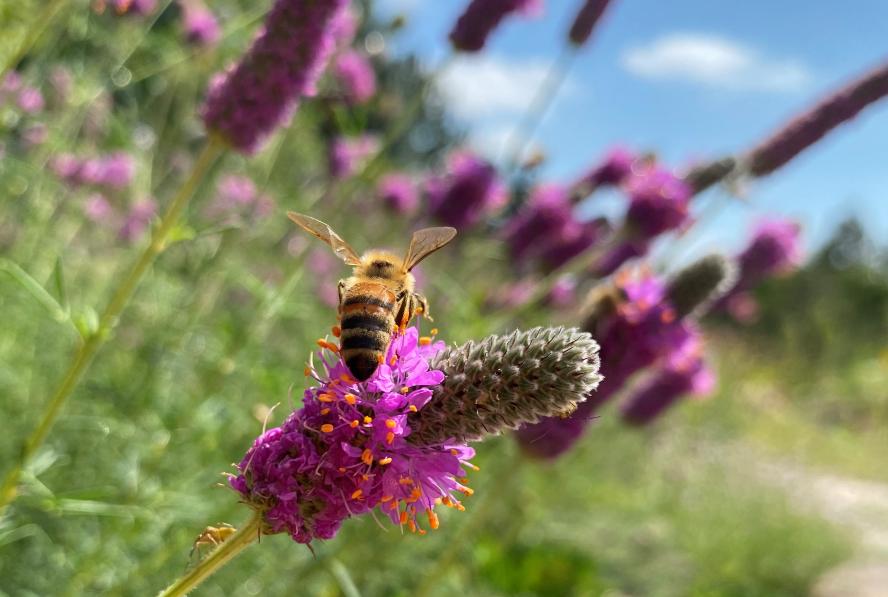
<point>433,331</point>
<point>389,437</point>
<point>367,457</point>
<point>337,331</point>
<point>393,360</point>
<point>306,371</point>
<point>412,526</point>
<point>412,408</point>
<point>354,424</point>
<point>351,399</point>
<point>391,424</point>
<point>380,359</point>
<point>331,347</point>
<point>405,481</point>
<point>368,420</point>
<point>326,427</point>
<point>326,397</point>
<point>403,517</point>
<point>425,341</point>
<point>433,518</point>
<point>386,498</point>
<point>386,460</point>
<point>357,494</point>
<point>405,390</point>
<point>325,411</point>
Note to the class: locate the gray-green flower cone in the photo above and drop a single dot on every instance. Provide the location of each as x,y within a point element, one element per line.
<point>504,382</point>
<point>693,289</point>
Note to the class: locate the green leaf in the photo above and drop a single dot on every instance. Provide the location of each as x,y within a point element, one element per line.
<point>34,288</point>
<point>58,278</point>
<point>87,322</point>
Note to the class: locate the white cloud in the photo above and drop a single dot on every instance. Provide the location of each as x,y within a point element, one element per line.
<point>715,62</point>
<point>487,86</point>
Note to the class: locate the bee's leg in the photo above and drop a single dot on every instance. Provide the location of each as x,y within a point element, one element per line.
<point>422,306</point>
<point>340,290</point>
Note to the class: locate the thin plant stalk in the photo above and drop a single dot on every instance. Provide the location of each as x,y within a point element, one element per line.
<point>542,100</point>
<point>33,34</point>
<point>120,299</point>
<point>216,559</point>
<point>394,134</point>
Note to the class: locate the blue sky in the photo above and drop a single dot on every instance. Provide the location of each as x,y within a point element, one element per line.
<point>690,79</point>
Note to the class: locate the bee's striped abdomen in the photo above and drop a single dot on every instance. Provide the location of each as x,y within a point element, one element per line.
<point>366,320</point>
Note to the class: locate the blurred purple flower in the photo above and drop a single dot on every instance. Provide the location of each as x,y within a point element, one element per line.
<point>135,7</point>
<point>284,63</point>
<point>199,24</point>
<point>344,28</point>
<point>113,171</point>
<point>137,220</point>
<point>468,193</point>
<point>345,452</point>
<point>61,82</point>
<point>773,249</point>
<point>30,100</point>
<point>238,201</point>
<point>641,330</point>
<point>356,77</point>
<point>399,193</point>
<point>613,170</point>
<point>543,217</point>
<point>658,202</point>
<point>12,82</point>
<point>481,17</point>
<point>349,154</point>
<point>808,128</point>
<point>563,293</point>
<point>586,19</point>
<point>117,170</point>
<point>683,373</point>
<point>97,209</point>
<point>35,135</point>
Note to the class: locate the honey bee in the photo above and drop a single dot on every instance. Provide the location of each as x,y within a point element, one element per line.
<point>379,297</point>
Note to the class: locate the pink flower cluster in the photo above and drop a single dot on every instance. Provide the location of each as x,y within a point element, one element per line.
<point>643,331</point>
<point>284,63</point>
<point>345,452</point>
<point>113,171</point>
<point>237,201</point>
<point>469,192</point>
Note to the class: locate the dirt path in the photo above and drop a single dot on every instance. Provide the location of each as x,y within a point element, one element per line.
<point>859,506</point>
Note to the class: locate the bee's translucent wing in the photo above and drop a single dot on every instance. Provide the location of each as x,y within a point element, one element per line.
<point>425,242</point>
<point>316,227</point>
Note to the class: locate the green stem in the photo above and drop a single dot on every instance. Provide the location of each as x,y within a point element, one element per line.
<point>539,106</point>
<point>119,300</point>
<point>217,558</point>
<point>34,31</point>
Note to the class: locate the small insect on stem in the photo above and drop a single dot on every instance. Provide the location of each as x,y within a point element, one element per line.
<point>211,536</point>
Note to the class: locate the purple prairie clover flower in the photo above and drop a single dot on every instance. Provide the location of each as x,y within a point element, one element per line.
<point>640,329</point>
<point>658,202</point>
<point>65,166</point>
<point>684,373</point>
<point>399,193</point>
<point>481,17</point>
<point>469,192</point>
<point>808,128</point>
<point>585,21</point>
<point>283,65</point>
<point>346,452</point>
<point>742,307</point>
<point>547,212</point>
<point>563,293</point>
<point>199,24</point>
<point>35,135</point>
<point>355,76</point>
<point>238,200</point>
<point>137,220</point>
<point>347,155</point>
<point>773,249</point>
<point>97,209</point>
<point>30,100</point>
<point>613,170</point>
<point>11,83</point>
<point>117,170</point>
<point>344,28</point>
<point>572,240</point>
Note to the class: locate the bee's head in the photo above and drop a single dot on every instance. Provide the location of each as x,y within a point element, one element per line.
<point>381,264</point>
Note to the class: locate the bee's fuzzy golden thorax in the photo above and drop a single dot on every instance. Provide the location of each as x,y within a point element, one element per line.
<point>381,265</point>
